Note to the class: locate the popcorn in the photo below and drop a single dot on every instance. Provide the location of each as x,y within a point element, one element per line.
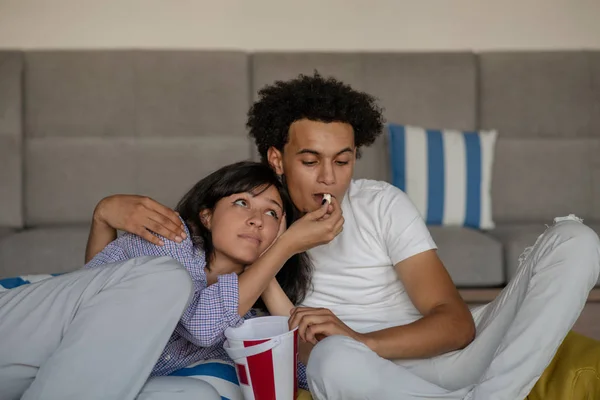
<point>327,197</point>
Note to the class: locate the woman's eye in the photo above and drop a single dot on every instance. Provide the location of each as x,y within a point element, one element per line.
<point>273,214</point>
<point>241,202</point>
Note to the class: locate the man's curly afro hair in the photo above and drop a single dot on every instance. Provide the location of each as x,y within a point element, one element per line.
<point>314,98</point>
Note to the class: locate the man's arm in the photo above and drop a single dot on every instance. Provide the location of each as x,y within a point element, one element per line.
<point>447,323</point>
<point>100,236</point>
<point>134,214</point>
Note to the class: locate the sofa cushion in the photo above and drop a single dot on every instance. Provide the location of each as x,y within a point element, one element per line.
<point>516,237</point>
<point>66,177</point>
<point>11,158</point>
<point>4,231</point>
<point>43,251</point>
<point>145,122</point>
<point>537,94</point>
<point>473,258</point>
<point>446,173</point>
<point>539,179</point>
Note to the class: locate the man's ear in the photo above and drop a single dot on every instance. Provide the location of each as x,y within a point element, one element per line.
<point>206,218</point>
<point>275,159</point>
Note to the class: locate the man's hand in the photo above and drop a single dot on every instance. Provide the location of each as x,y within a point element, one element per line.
<point>315,324</point>
<point>137,215</point>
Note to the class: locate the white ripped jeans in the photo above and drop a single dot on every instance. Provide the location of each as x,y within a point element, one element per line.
<point>517,334</point>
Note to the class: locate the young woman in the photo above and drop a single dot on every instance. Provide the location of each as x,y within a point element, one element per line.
<point>235,244</point>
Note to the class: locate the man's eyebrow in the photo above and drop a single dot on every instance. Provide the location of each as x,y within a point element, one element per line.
<point>316,153</point>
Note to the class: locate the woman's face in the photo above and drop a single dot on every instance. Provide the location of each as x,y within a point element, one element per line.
<point>244,225</point>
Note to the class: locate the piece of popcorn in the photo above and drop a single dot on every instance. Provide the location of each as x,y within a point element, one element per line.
<point>327,197</point>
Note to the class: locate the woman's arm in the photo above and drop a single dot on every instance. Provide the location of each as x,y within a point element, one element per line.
<point>276,300</point>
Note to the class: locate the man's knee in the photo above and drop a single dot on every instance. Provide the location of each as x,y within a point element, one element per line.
<point>581,244</point>
<point>337,366</point>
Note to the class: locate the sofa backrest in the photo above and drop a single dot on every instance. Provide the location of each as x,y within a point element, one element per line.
<point>147,122</point>
<point>76,126</point>
<point>11,189</point>
<point>546,108</point>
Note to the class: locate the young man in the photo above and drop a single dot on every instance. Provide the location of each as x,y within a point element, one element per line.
<point>386,319</point>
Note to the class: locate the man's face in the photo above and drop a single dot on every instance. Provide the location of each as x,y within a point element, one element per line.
<point>318,158</point>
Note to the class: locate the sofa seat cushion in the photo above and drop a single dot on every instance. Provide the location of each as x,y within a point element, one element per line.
<point>516,237</point>
<point>43,251</point>
<point>5,232</point>
<point>473,258</point>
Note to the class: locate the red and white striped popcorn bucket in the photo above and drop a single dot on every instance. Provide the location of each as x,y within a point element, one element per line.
<point>265,352</point>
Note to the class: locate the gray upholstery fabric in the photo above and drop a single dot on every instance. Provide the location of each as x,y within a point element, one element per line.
<point>537,94</point>
<point>472,258</point>
<point>595,66</point>
<point>595,183</point>
<point>43,251</point>
<point>11,210</point>
<point>66,177</point>
<point>187,93</point>
<point>270,67</point>
<point>11,187</point>
<point>11,66</point>
<point>79,93</point>
<point>136,93</point>
<point>431,90</point>
<point>539,179</point>
<point>166,170</point>
<point>517,237</point>
<point>5,231</point>
<point>147,122</point>
<point>374,162</point>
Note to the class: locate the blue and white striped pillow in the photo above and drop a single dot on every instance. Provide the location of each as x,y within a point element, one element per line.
<point>446,173</point>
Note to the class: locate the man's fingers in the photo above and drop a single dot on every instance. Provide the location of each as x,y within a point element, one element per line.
<point>317,332</point>
<point>164,211</point>
<point>162,231</point>
<point>166,227</point>
<point>150,237</point>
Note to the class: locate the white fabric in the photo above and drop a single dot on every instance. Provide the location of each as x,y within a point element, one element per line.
<point>517,334</point>
<point>95,334</point>
<point>354,274</point>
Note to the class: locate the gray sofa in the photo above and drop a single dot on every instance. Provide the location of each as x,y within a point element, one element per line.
<point>76,126</point>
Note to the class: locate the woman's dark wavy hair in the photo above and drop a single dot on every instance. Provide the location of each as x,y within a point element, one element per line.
<point>244,177</point>
<point>317,99</point>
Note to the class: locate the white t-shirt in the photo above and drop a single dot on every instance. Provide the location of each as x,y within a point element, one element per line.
<point>354,274</point>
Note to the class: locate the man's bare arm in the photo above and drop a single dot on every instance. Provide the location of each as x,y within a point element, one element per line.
<point>447,323</point>
<point>134,214</point>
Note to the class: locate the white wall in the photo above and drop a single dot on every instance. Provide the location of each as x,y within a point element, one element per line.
<point>302,24</point>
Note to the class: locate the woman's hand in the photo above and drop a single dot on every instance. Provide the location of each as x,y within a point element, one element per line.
<point>138,214</point>
<point>315,228</point>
